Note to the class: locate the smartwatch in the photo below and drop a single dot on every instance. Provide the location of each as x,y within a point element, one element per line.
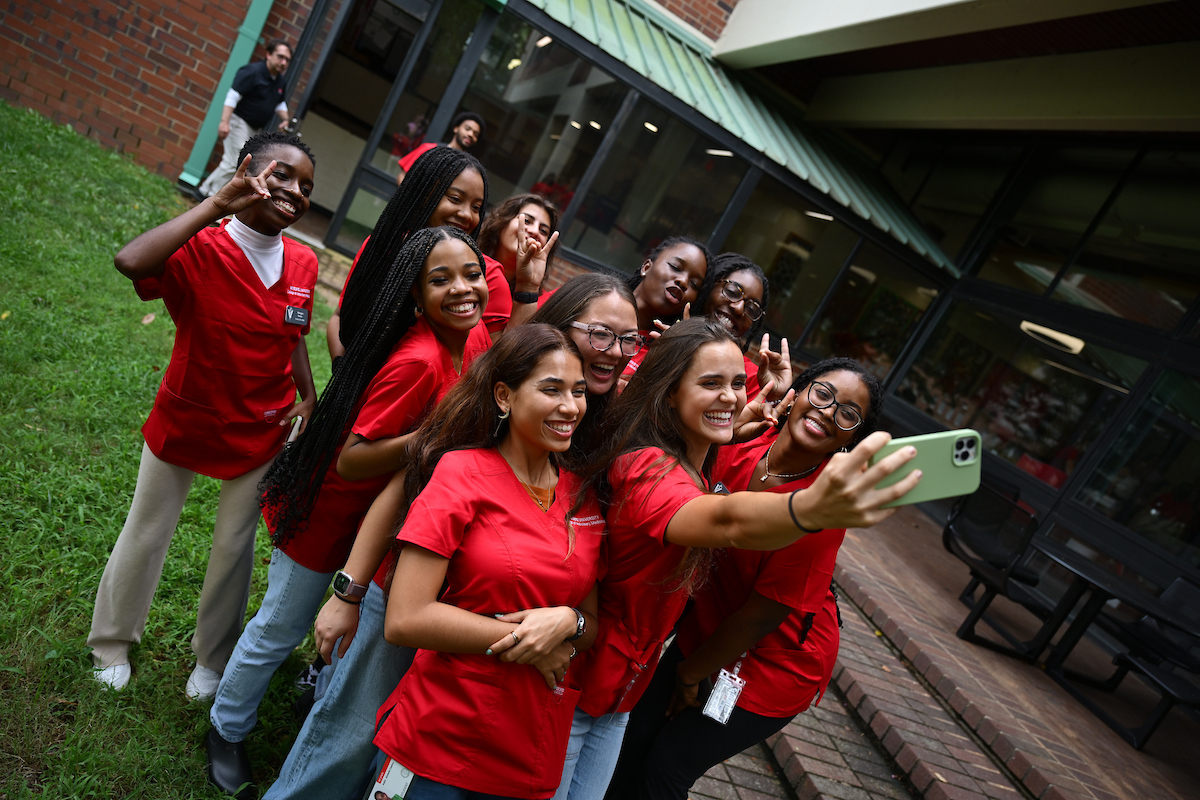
<point>345,587</point>
<point>525,297</point>
<point>580,625</point>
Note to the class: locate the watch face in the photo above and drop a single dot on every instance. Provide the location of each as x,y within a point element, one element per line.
<point>341,583</point>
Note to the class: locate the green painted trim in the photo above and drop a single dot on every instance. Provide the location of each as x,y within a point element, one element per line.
<point>243,48</point>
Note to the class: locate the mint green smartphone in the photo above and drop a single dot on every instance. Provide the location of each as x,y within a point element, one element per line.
<point>950,461</point>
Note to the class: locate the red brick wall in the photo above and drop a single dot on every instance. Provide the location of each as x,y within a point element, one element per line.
<point>136,75</point>
<point>707,16</point>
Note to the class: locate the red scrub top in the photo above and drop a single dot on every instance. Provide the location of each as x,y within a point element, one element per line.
<point>792,665</point>
<point>499,305</point>
<point>471,720</point>
<point>408,159</point>
<point>639,601</point>
<point>229,382</point>
<point>415,377</point>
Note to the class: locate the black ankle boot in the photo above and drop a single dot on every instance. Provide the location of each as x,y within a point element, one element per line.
<point>228,766</point>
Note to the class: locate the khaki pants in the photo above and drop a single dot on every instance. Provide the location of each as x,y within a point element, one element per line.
<point>136,564</point>
<point>239,133</point>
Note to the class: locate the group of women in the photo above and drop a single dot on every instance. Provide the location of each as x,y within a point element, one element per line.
<point>517,495</point>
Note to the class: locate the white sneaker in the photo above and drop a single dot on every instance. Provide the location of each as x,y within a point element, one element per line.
<point>202,684</point>
<point>114,678</point>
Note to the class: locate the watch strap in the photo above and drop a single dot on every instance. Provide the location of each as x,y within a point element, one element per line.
<point>525,297</point>
<point>580,625</point>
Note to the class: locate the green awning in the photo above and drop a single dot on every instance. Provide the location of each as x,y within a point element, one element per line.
<point>678,59</point>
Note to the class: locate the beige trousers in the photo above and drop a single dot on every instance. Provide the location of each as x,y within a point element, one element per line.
<point>136,564</point>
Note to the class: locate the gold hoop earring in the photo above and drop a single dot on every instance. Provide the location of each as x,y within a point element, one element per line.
<point>500,422</point>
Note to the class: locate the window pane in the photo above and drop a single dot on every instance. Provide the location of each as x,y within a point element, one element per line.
<point>958,191</point>
<point>908,164</point>
<point>872,312</point>
<point>800,247</point>
<point>1143,261</point>
<point>546,112</point>
<point>1068,189</point>
<point>360,220</point>
<point>661,179</point>
<point>1150,480</point>
<point>1034,404</point>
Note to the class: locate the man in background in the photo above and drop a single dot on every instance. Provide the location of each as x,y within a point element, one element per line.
<point>255,98</point>
<point>467,128</point>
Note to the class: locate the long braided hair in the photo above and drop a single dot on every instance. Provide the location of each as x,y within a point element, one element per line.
<point>410,208</point>
<point>292,485</point>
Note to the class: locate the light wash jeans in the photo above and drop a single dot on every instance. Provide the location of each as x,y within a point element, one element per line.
<point>294,595</point>
<point>331,758</point>
<point>592,755</point>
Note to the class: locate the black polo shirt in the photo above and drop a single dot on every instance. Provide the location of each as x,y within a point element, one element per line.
<point>260,93</point>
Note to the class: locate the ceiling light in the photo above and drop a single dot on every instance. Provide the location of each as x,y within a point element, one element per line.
<point>595,124</point>
<point>1056,339</point>
<point>819,215</point>
<point>545,40</point>
<point>866,274</point>
<point>650,126</point>
<point>516,62</point>
<point>575,125</point>
<point>555,136</point>
<point>725,153</point>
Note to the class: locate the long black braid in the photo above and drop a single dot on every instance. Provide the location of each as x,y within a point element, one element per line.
<point>409,210</point>
<point>292,485</point>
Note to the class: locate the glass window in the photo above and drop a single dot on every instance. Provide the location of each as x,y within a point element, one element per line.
<point>546,111</point>
<point>1150,479</point>
<point>799,246</point>
<point>1036,404</point>
<point>907,165</point>
<point>872,312</point>
<point>1143,261</point>
<point>958,191</point>
<point>1068,188</point>
<point>661,179</point>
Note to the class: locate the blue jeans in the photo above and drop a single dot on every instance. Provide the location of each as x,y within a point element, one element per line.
<point>331,758</point>
<point>591,755</point>
<point>425,789</point>
<point>294,594</point>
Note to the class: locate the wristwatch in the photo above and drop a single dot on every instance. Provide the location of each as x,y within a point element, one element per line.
<point>525,297</point>
<point>345,587</point>
<point>580,625</point>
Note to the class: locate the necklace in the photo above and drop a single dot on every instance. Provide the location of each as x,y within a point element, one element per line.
<point>537,493</point>
<point>783,475</point>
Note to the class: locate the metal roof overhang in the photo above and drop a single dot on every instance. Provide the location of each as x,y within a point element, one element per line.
<point>641,38</point>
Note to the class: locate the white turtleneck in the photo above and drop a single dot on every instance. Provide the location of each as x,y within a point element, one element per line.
<point>265,253</point>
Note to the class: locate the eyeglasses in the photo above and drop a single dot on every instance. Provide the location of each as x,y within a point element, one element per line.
<point>822,395</point>
<point>601,339</point>
<point>733,292</point>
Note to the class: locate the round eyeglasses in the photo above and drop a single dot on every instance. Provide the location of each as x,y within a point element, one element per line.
<point>601,339</point>
<point>822,395</point>
<point>733,292</point>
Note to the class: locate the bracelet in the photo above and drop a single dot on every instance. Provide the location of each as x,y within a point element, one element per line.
<point>525,297</point>
<point>793,513</point>
<point>344,600</point>
<point>574,653</point>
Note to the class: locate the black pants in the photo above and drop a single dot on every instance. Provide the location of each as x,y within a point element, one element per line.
<point>662,758</point>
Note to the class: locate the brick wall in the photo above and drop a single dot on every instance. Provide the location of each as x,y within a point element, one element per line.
<point>135,75</point>
<point>707,16</point>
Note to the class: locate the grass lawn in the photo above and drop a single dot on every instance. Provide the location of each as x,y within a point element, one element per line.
<point>80,361</point>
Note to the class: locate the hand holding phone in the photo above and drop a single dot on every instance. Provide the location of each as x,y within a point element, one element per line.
<point>949,460</point>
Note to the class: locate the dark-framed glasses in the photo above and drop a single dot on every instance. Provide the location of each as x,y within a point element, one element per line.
<point>822,395</point>
<point>733,292</point>
<point>601,339</point>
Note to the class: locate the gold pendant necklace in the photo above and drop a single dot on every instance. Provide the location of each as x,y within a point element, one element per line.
<point>787,476</point>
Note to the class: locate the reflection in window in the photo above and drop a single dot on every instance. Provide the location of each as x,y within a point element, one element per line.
<point>1150,480</point>
<point>799,246</point>
<point>661,179</point>
<point>546,110</point>
<point>1143,261</point>
<point>1067,190</point>
<point>872,312</point>
<point>1036,404</point>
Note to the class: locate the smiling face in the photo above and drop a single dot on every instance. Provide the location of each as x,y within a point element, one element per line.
<point>461,204</point>
<point>290,183</point>
<point>733,315</point>
<point>709,397</point>
<point>536,222</point>
<point>277,61</point>
<point>465,135</point>
<point>671,280</point>
<point>451,290</point>
<point>814,429</point>
<point>547,406</point>
<point>615,313</point>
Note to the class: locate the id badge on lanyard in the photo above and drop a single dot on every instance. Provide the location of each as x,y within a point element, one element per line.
<point>725,693</point>
<point>392,783</point>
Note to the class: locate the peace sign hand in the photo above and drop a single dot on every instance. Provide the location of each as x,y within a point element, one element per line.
<point>243,190</point>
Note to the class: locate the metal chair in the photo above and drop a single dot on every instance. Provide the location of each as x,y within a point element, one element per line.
<point>990,532</point>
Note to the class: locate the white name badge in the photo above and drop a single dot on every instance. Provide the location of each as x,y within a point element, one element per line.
<point>392,783</point>
<point>724,696</point>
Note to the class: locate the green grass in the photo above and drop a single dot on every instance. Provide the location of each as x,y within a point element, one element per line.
<point>78,374</point>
